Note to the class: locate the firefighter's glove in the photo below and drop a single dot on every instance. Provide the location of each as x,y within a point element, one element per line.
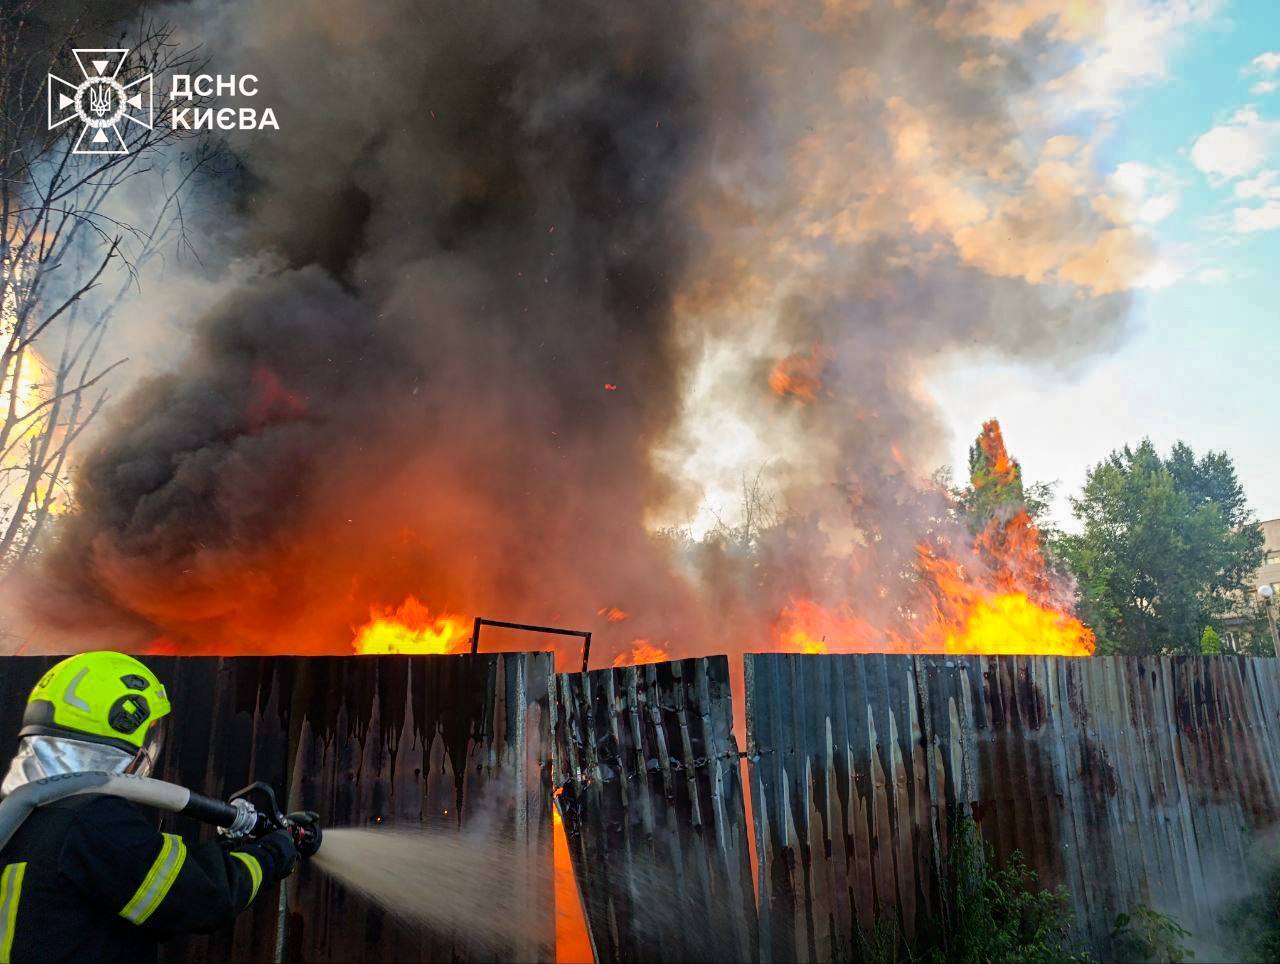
<point>282,850</point>
<point>304,827</point>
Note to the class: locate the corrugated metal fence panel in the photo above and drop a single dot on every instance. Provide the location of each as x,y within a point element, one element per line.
<point>647,769</point>
<point>840,797</point>
<point>1129,780</point>
<point>450,741</point>
<point>365,741</point>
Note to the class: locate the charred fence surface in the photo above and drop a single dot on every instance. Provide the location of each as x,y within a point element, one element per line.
<point>448,741</point>
<point>1131,781</point>
<point>647,777</point>
<point>1128,780</point>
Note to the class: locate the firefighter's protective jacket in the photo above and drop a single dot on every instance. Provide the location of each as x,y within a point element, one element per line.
<point>90,878</point>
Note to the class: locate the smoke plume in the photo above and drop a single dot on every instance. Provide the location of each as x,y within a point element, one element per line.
<point>538,264</point>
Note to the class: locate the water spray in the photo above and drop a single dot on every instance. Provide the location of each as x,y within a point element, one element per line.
<point>400,870</point>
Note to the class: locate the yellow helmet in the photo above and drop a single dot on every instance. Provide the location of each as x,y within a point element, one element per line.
<point>98,697</point>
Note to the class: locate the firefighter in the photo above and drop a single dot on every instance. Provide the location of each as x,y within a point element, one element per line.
<point>90,877</point>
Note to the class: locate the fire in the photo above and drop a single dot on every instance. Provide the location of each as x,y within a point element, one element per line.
<point>1001,599</point>
<point>612,613</point>
<point>1004,624</point>
<point>806,627</point>
<point>994,596</point>
<point>799,376</point>
<point>573,945</point>
<point>410,628</point>
<point>26,385</point>
<point>26,388</point>
<point>642,651</point>
<point>1004,616</point>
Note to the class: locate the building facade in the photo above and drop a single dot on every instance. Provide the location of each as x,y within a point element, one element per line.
<point>1240,625</point>
<point>1269,574</point>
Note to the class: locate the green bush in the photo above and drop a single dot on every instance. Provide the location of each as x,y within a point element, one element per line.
<point>990,914</point>
<point>883,943</point>
<point>1255,918</point>
<point>1000,915</point>
<point>1150,936</point>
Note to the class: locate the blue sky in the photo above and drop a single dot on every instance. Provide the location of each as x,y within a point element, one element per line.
<point>1192,148</point>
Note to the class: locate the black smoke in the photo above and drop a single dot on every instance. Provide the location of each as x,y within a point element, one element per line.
<point>506,235</point>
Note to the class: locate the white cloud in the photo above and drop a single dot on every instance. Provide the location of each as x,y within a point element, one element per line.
<point>1213,276</point>
<point>1156,209</point>
<point>1238,147</point>
<point>1136,40</point>
<point>1163,273</point>
<point>1265,217</point>
<point>1241,147</point>
<point>1268,63</point>
<point>1152,194</point>
<point>1265,65</point>
<point>1266,186</point>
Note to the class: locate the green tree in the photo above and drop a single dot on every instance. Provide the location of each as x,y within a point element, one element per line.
<point>1165,548</point>
<point>1210,642</point>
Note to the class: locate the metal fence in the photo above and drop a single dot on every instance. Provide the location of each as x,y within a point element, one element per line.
<point>1131,781</point>
<point>1127,780</point>
<point>366,741</point>
<point>647,777</point>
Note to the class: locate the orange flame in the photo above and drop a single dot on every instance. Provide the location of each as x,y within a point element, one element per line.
<point>26,388</point>
<point>996,597</point>
<point>1013,623</point>
<point>612,613</point>
<point>573,945</point>
<point>799,376</point>
<point>1004,470</point>
<point>1010,615</point>
<point>806,627</point>
<point>642,651</point>
<point>410,628</point>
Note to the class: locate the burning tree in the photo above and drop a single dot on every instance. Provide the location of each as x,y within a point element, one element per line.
<point>984,587</point>
<point>60,240</point>
<point>1003,515</point>
<point>995,480</point>
<point>1000,592</point>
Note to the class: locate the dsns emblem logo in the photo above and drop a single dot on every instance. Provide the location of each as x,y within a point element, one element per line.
<point>100,101</point>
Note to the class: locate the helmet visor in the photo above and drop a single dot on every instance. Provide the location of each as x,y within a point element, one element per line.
<point>148,756</point>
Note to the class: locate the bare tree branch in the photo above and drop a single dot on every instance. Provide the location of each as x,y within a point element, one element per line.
<point>62,236</point>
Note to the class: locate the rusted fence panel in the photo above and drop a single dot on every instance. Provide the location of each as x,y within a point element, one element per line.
<point>366,741</point>
<point>647,772</point>
<point>1128,780</point>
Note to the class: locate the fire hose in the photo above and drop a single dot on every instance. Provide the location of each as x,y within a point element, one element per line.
<point>251,812</point>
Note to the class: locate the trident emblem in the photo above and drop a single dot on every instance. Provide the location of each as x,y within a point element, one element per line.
<point>100,101</point>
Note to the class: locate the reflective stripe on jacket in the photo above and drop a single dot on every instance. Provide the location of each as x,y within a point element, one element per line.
<point>90,878</point>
